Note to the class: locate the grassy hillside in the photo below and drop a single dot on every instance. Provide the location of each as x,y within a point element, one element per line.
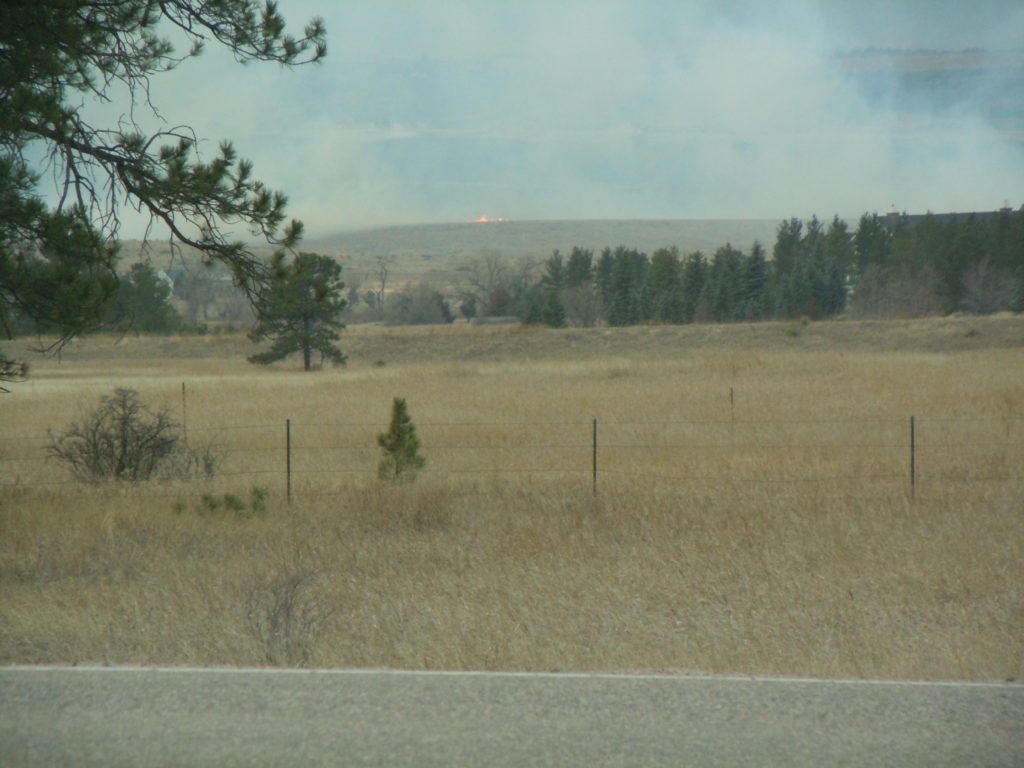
<point>753,512</point>
<point>539,238</point>
<point>370,345</point>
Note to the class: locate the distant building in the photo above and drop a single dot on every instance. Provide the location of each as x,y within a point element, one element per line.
<point>894,219</point>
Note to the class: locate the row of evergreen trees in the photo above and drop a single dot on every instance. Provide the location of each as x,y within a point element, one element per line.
<point>887,266</point>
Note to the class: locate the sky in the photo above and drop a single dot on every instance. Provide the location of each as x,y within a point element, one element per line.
<point>450,110</point>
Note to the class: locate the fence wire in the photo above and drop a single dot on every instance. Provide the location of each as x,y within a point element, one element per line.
<point>730,454</point>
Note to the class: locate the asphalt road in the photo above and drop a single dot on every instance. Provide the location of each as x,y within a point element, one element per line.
<point>210,717</point>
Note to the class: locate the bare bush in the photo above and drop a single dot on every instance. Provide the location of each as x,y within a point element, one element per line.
<point>123,439</point>
<point>285,617</point>
<point>880,293</point>
<point>988,289</point>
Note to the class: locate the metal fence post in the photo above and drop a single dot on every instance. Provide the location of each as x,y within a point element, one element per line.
<point>288,455</point>
<point>184,416</point>
<point>595,457</point>
<point>913,459</point>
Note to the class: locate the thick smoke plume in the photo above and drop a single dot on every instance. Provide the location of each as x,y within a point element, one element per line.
<point>450,111</point>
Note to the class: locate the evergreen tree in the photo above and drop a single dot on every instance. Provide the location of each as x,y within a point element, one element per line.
<point>531,304</point>
<point>694,280</point>
<point>923,247</point>
<point>141,303</point>
<point>753,285</point>
<point>579,298</point>
<point>553,311</point>
<point>966,251</point>
<point>810,270</point>
<point>788,238</point>
<point>836,268</point>
<point>554,272</point>
<point>628,287</point>
<point>664,286</point>
<point>806,277</point>
<point>579,271</point>
<point>1008,243</point>
<point>549,310</point>
<point>620,308</point>
<point>400,446</point>
<point>724,289</point>
<point>57,264</point>
<point>872,243</point>
<point>785,257</point>
<point>603,278</point>
<point>300,311</point>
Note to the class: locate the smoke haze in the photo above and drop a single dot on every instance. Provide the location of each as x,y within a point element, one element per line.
<point>447,111</point>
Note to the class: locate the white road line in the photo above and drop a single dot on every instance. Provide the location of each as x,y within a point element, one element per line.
<point>538,675</point>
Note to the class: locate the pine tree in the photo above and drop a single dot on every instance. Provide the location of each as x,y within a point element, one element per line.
<point>141,303</point>
<point>579,271</point>
<point>550,310</point>
<point>1008,242</point>
<point>554,272</point>
<point>400,446</point>
<point>754,285</point>
<point>694,280</point>
<point>664,285</point>
<point>603,279</point>
<point>628,287</point>
<point>837,268</point>
<point>872,243</point>
<point>300,311</point>
<point>57,265</point>
<point>785,257</point>
<point>967,249</point>
<point>724,286</point>
<point>530,306</point>
<point>579,298</point>
<point>553,311</point>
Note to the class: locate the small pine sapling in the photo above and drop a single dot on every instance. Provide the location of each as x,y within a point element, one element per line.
<point>400,445</point>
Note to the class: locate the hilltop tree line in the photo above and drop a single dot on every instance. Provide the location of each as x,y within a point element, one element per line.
<point>886,267</point>
<point>889,266</point>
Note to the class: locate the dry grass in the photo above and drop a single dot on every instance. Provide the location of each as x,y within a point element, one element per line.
<point>771,535</point>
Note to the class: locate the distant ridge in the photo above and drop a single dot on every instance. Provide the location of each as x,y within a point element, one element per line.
<point>540,238</point>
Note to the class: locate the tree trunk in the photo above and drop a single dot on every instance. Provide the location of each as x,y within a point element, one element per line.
<point>307,348</point>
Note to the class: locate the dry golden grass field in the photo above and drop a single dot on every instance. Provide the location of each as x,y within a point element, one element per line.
<point>753,511</point>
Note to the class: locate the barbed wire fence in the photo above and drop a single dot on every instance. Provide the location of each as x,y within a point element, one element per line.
<point>852,455</point>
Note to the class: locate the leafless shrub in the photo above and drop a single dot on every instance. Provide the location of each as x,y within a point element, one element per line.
<point>285,616</point>
<point>880,293</point>
<point>194,462</point>
<point>123,439</point>
<point>988,289</point>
